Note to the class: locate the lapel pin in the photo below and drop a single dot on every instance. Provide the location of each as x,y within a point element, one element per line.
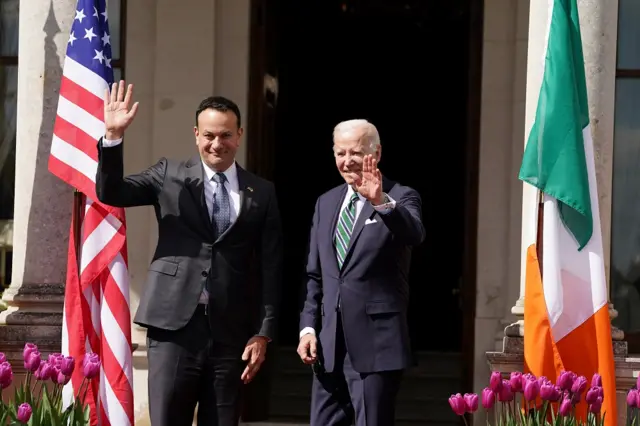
<point>250,189</point>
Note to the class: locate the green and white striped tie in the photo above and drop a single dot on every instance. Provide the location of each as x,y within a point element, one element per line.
<point>344,228</point>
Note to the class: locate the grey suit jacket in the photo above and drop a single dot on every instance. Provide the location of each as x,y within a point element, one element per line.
<point>241,268</point>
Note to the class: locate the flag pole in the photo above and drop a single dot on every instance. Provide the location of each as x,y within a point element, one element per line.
<point>77,223</point>
<point>540,228</point>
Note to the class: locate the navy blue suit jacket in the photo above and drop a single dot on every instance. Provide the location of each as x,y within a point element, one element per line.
<point>372,285</point>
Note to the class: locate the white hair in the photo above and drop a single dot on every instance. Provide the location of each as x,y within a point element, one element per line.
<point>370,133</point>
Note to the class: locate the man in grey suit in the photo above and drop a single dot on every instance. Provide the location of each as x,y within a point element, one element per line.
<point>219,228</point>
<point>354,322</point>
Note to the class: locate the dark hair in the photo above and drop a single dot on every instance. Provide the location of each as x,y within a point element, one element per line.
<point>219,103</point>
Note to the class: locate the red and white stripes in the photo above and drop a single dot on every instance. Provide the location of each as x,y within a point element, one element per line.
<point>96,313</point>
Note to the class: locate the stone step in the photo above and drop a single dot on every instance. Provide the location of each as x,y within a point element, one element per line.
<point>422,398</point>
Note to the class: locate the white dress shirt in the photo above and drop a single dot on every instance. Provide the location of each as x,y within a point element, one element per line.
<point>210,186</point>
<point>382,209</point>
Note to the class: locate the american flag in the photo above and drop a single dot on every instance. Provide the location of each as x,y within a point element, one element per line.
<point>96,314</point>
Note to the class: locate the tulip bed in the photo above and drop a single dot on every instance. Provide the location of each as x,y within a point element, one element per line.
<point>38,400</point>
<point>527,400</point>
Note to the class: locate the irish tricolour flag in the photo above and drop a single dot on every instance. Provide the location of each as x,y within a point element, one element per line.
<point>566,322</point>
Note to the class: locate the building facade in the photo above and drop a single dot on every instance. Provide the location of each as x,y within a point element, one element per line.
<point>476,71</point>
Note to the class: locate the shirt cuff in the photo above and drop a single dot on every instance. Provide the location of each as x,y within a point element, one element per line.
<point>111,143</point>
<point>307,330</point>
<point>387,206</point>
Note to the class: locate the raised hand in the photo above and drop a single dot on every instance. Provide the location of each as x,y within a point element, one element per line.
<point>369,185</point>
<point>118,112</point>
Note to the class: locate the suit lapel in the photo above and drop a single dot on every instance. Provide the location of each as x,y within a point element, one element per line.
<point>194,181</point>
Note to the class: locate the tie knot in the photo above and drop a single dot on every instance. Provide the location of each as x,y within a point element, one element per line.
<point>219,178</point>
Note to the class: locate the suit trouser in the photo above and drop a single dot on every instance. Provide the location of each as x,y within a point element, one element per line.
<point>339,397</point>
<point>187,367</point>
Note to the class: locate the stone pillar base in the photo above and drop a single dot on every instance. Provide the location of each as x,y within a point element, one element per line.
<point>511,358</point>
<point>34,314</point>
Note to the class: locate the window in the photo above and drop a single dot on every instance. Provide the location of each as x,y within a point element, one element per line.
<point>625,223</point>
<point>8,98</point>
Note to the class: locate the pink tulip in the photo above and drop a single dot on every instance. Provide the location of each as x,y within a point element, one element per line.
<point>6,375</point>
<point>28,347</point>
<point>516,382</point>
<point>457,404</point>
<point>565,380</point>
<point>579,385</point>
<point>596,406</point>
<point>565,407</point>
<point>488,398</point>
<point>24,413</point>
<point>505,394</point>
<point>67,365</point>
<point>3,357</point>
<point>592,395</point>
<point>596,381</point>
<point>531,390</point>
<point>547,391</point>
<point>495,382</point>
<point>90,365</point>
<point>471,401</point>
<point>632,398</point>
<point>32,360</point>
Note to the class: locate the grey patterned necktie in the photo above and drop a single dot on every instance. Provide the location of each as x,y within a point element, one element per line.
<point>221,218</point>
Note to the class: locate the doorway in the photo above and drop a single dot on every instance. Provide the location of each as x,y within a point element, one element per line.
<point>408,67</point>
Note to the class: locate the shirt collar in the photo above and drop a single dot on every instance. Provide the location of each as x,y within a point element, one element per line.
<point>350,192</point>
<point>231,173</point>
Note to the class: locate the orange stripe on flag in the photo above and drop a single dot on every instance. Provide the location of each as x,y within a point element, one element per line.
<point>587,350</point>
<point>541,356</point>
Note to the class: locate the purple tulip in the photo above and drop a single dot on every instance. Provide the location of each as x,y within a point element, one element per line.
<point>62,379</point>
<point>6,375</point>
<point>579,385</point>
<point>565,380</point>
<point>495,382</point>
<point>596,381</point>
<point>488,398</point>
<point>565,407</point>
<point>575,398</point>
<point>592,395</point>
<point>3,357</point>
<point>28,348</point>
<point>32,360</point>
<point>541,380</point>
<point>531,390</point>
<point>547,391</point>
<point>471,401</point>
<point>457,404</point>
<point>516,381</point>
<point>596,406</point>
<point>24,413</point>
<point>45,371</point>
<point>505,394</point>
<point>91,365</point>
<point>632,398</point>
<point>67,365</point>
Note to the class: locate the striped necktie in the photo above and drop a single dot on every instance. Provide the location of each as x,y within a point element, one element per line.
<point>345,228</point>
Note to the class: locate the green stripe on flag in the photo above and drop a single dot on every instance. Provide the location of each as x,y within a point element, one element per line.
<point>554,159</point>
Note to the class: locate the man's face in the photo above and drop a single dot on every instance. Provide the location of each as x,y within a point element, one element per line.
<point>349,149</point>
<point>218,138</point>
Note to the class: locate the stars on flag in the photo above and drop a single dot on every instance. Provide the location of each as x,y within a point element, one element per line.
<point>92,25</point>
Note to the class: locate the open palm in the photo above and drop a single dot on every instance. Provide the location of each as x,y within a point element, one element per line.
<point>118,112</point>
<point>370,184</point>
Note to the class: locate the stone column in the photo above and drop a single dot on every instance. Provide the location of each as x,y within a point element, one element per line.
<point>598,25</point>
<point>43,203</point>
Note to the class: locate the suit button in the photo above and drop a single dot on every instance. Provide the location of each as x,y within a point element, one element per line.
<point>205,274</point>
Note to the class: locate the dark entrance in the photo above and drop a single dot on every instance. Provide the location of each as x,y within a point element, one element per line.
<point>412,69</point>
